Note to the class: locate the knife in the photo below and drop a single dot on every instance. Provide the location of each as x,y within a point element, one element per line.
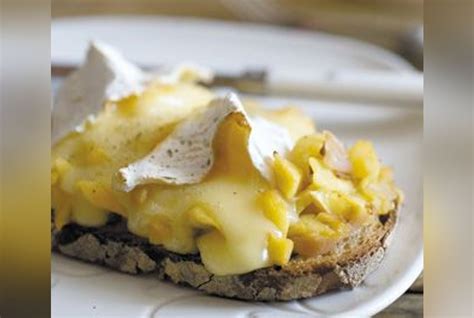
<point>400,87</point>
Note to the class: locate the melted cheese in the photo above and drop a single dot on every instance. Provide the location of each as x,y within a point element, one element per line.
<point>235,218</point>
<point>219,217</point>
<point>237,241</point>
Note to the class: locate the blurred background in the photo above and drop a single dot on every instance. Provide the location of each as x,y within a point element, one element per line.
<point>393,24</point>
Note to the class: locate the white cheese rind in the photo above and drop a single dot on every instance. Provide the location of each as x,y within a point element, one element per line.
<point>186,156</point>
<point>104,76</point>
<point>107,76</point>
<point>265,139</point>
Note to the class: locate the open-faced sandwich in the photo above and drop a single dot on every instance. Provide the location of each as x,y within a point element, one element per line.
<point>153,173</point>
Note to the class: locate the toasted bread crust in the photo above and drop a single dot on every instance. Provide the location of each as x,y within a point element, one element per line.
<point>113,246</point>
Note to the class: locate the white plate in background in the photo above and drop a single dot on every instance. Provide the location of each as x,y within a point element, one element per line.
<point>84,290</point>
<point>223,46</point>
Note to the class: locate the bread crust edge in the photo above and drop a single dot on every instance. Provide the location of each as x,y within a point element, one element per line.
<point>296,280</point>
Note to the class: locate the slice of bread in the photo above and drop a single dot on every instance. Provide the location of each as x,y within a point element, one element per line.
<point>346,266</point>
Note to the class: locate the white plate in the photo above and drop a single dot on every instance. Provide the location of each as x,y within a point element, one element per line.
<point>85,290</point>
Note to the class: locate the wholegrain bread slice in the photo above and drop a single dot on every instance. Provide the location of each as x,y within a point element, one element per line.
<point>345,267</point>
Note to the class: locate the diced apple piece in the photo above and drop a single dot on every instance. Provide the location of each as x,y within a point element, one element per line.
<point>311,237</point>
<point>381,195</point>
<point>346,206</point>
<point>308,224</point>
<point>303,201</point>
<point>324,178</point>
<point>288,176</point>
<point>335,154</point>
<point>333,221</point>
<point>320,200</point>
<point>275,209</point>
<point>351,208</point>
<point>279,249</point>
<point>364,160</point>
<point>305,148</point>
